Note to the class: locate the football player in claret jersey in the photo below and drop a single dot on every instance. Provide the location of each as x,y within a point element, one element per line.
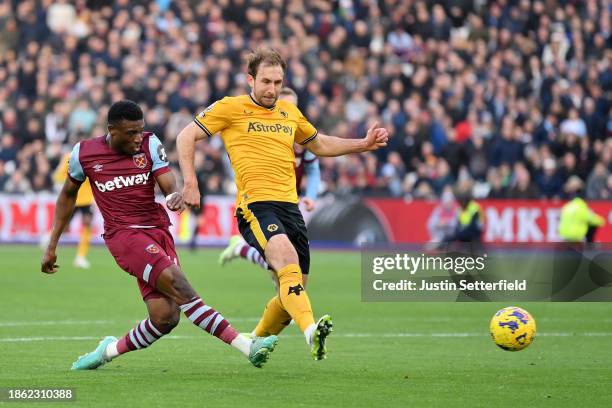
<point>306,164</point>
<point>122,167</point>
<point>259,131</point>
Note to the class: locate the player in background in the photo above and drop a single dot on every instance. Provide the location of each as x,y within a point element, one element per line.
<point>306,163</point>
<point>577,222</point>
<point>577,228</point>
<point>258,131</point>
<point>123,167</point>
<point>84,205</point>
<point>470,218</point>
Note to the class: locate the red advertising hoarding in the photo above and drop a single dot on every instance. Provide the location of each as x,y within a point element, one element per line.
<point>505,220</point>
<point>27,218</point>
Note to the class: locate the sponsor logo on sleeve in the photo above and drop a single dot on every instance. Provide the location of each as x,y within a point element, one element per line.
<point>161,152</point>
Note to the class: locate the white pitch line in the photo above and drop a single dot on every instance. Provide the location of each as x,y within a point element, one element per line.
<point>30,339</point>
<point>54,323</point>
<point>25,323</point>
<point>341,335</point>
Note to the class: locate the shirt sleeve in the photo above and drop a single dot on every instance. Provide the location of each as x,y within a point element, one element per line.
<point>313,177</point>
<point>595,219</point>
<point>305,131</point>
<point>75,170</point>
<point>309,156</point>
<point>158,156</point>
<point>215,118</point>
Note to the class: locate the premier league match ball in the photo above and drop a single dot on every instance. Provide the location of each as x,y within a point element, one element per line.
<point>512,328</point>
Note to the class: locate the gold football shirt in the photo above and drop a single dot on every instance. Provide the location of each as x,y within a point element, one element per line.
<point>259,142</point>
<point>85,196</point>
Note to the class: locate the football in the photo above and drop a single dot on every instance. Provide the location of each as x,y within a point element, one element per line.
<point>512,328</point>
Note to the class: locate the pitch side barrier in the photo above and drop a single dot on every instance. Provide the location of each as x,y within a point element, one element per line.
<point>337,223</point>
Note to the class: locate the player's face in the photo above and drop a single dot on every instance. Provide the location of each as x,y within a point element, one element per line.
<point>126,135</point>
<point>267,84</point>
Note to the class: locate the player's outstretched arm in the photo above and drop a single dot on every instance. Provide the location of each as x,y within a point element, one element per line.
<point>185,145</point>
<point>174,199</point>
<point>64,208</point>
<point>324,145</point>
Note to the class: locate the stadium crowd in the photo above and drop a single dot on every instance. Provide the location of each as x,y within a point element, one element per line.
<point>510,97</point>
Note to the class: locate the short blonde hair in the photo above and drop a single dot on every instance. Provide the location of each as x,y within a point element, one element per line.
<point>264,55</point>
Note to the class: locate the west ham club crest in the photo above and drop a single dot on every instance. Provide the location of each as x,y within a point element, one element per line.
<point>152,249</point>
<point>140,160</point>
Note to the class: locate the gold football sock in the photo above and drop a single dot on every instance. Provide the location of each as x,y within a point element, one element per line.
<point>293,296</point>
<point>275,318</point>
<point>83,247</point>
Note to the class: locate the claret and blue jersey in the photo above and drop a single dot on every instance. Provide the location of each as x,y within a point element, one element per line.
<point>123,185</point>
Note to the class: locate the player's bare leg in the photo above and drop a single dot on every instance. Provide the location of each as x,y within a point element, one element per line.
<point>173,283</point>
<point>283,259</point>
<point>164,315</point>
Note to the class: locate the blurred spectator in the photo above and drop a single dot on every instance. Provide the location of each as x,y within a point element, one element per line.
<point>443,177</point>
<point>392,174</point>
<point>17,183</point>
<point>507,149</point>
<point>550,182</point>
<point>82,119</point>
<point>8,148</point>
<point>56,123</point>
<point>522,187</point>
<point>356,107</point>
<point>3,175</point>
<point>477,157</point>
<point>574,124</point>
<point>61,16</point>
<point>495,182</point>
<point>468,89</point>
<point>598,184</point>
<point>443,219</point>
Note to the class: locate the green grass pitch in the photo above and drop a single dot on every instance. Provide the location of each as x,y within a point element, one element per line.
<point>380,354</point>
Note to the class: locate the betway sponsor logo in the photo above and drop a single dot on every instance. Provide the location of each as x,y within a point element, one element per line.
<point>274,128</point>
<point>121,181</point>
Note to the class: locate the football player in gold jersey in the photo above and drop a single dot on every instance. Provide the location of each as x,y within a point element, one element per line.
<point>84,205</point>
<point>259,131</point>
